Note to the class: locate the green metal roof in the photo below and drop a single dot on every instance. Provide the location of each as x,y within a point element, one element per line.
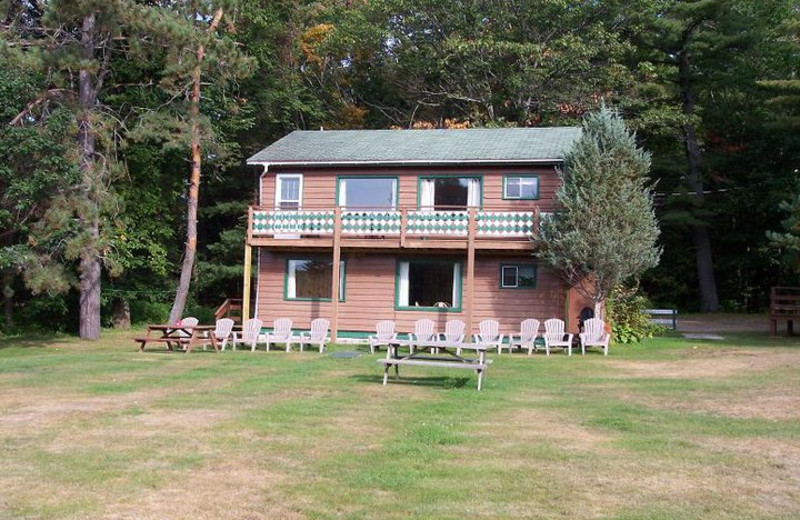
<point>330,147</point>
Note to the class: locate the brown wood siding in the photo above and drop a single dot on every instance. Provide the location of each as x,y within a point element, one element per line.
<point>319,185</point>
<point>370,295</point>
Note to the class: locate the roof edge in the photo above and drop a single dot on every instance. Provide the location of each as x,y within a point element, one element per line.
<point>404,163</point>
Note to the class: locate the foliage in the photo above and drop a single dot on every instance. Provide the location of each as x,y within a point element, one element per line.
<point>605,230</point>
<point>788,241</point>
<point>624,312</point>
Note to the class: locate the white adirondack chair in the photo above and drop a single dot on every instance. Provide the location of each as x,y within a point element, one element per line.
<point>528,331</point>
<point>222,332</point>
<point>317,335</point>
<point>554,336</point>
<point>384,333</point>
<point>594,335</point>
<point>490,334</point>
<point>281,333</point>
<point>453,335</point>
<point>249,335</point>
<point>424,333</point>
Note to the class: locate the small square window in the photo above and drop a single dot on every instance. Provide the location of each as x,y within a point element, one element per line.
<point>521,276</point>
<point>525,188</point>
<point>510,276</point>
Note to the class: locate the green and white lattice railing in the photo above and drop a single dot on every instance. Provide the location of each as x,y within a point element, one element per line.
<point>301,222</point>
<point>426,223</point>
<point>381,222</point>
<point>512,224</point>
<point>455,223</point>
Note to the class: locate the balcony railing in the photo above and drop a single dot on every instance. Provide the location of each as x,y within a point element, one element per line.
<point>395,223</point>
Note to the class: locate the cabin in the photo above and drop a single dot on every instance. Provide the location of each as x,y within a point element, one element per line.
<point>359,226</point>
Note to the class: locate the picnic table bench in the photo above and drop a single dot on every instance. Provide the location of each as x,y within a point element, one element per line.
<point>178,336</point>
<point>451,360</point>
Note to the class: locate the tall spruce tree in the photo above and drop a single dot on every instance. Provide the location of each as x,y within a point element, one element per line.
<point>606,230</point>
<point>72,45</point>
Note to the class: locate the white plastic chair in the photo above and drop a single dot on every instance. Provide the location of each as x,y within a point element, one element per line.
<point>384,334</point>
<point>424,333</point>
<point>281,333</point>
<point>317,335</point>
<point>251,331</point>
<point>594,335</point>
<point>554,336</point>
<point>490,334</point>
<point>528,331</point>
<point>222,332</point>
<point>184,336</point>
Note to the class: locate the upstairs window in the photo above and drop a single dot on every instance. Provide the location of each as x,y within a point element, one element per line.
<point>518,276</point>
<point>288,191</point>
<point>521,187</point>
<point>448,193</point>
<point>367,192</point>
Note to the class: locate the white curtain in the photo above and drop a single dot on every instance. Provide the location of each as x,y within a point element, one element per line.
<point>456,284</point>
<point>291,285</point>
<point>426,195</point>
<point>342,193</point>
<point>402,285</point>
<point>474,193</point>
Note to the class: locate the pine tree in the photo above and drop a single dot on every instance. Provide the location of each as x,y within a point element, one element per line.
<point>606,230</point>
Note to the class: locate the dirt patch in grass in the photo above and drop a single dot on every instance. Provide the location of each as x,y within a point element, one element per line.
<point>705,362</point>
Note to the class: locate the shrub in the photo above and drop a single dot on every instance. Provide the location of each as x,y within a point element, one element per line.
<point>624,311</point>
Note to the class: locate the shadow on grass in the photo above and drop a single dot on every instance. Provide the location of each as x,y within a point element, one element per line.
<point>33,341</point>
<point>432,381</point>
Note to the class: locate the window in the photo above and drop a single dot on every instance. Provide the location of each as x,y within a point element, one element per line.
<point>518,276</point>
<point>310,279</point>
<point>428,284</point>
<point>288,191</point>
<point>521,187</point>
<point>443,193</point>
<point>367,192</point>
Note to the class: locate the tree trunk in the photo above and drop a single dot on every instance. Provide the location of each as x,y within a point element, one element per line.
<point>194,185</point>
<point>90,267</point>
<point>709,302</point>
<point>8,299</point>
<point>121,314</point>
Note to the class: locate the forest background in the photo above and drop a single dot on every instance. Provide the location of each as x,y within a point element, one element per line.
<point>101,126</point>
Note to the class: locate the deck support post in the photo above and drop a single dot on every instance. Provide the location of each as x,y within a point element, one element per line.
<point>337,238</point>
<point>248,260</point>
<point>469,290</point>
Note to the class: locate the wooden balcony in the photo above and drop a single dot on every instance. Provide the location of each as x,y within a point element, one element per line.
<point>452,228</point>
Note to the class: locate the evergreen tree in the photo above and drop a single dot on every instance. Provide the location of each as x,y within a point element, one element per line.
<point>606,230</point>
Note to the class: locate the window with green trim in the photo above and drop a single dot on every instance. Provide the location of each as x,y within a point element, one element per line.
<point>310,279</point>
<point>518,276</point>
<point>428,284</point>
<point>521,187</point>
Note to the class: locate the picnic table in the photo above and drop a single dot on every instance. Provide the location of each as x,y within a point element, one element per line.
<point>179,336</point>
<point>436,354</point>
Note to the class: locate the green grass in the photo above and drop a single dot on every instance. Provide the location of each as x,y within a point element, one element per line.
<point>667,429</point>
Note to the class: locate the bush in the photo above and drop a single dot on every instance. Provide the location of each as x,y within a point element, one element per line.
<point>624,311</point>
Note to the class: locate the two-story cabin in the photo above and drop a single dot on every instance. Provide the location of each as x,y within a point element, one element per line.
<point>367,225</point>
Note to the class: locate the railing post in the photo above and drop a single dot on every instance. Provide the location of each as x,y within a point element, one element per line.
<point>403,226</point>
<point>536,223</point>
<point>469,291</point>
<point>337,236</point>
<point>249,239</point>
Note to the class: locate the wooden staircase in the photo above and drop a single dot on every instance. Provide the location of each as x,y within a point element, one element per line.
<point>230,308</point>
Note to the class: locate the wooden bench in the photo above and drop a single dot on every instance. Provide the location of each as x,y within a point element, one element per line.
<point>478,367</point>
<point>784,306</point>
<point>666,317</point>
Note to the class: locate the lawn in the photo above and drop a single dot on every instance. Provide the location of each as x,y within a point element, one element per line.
<point>667,429</point>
